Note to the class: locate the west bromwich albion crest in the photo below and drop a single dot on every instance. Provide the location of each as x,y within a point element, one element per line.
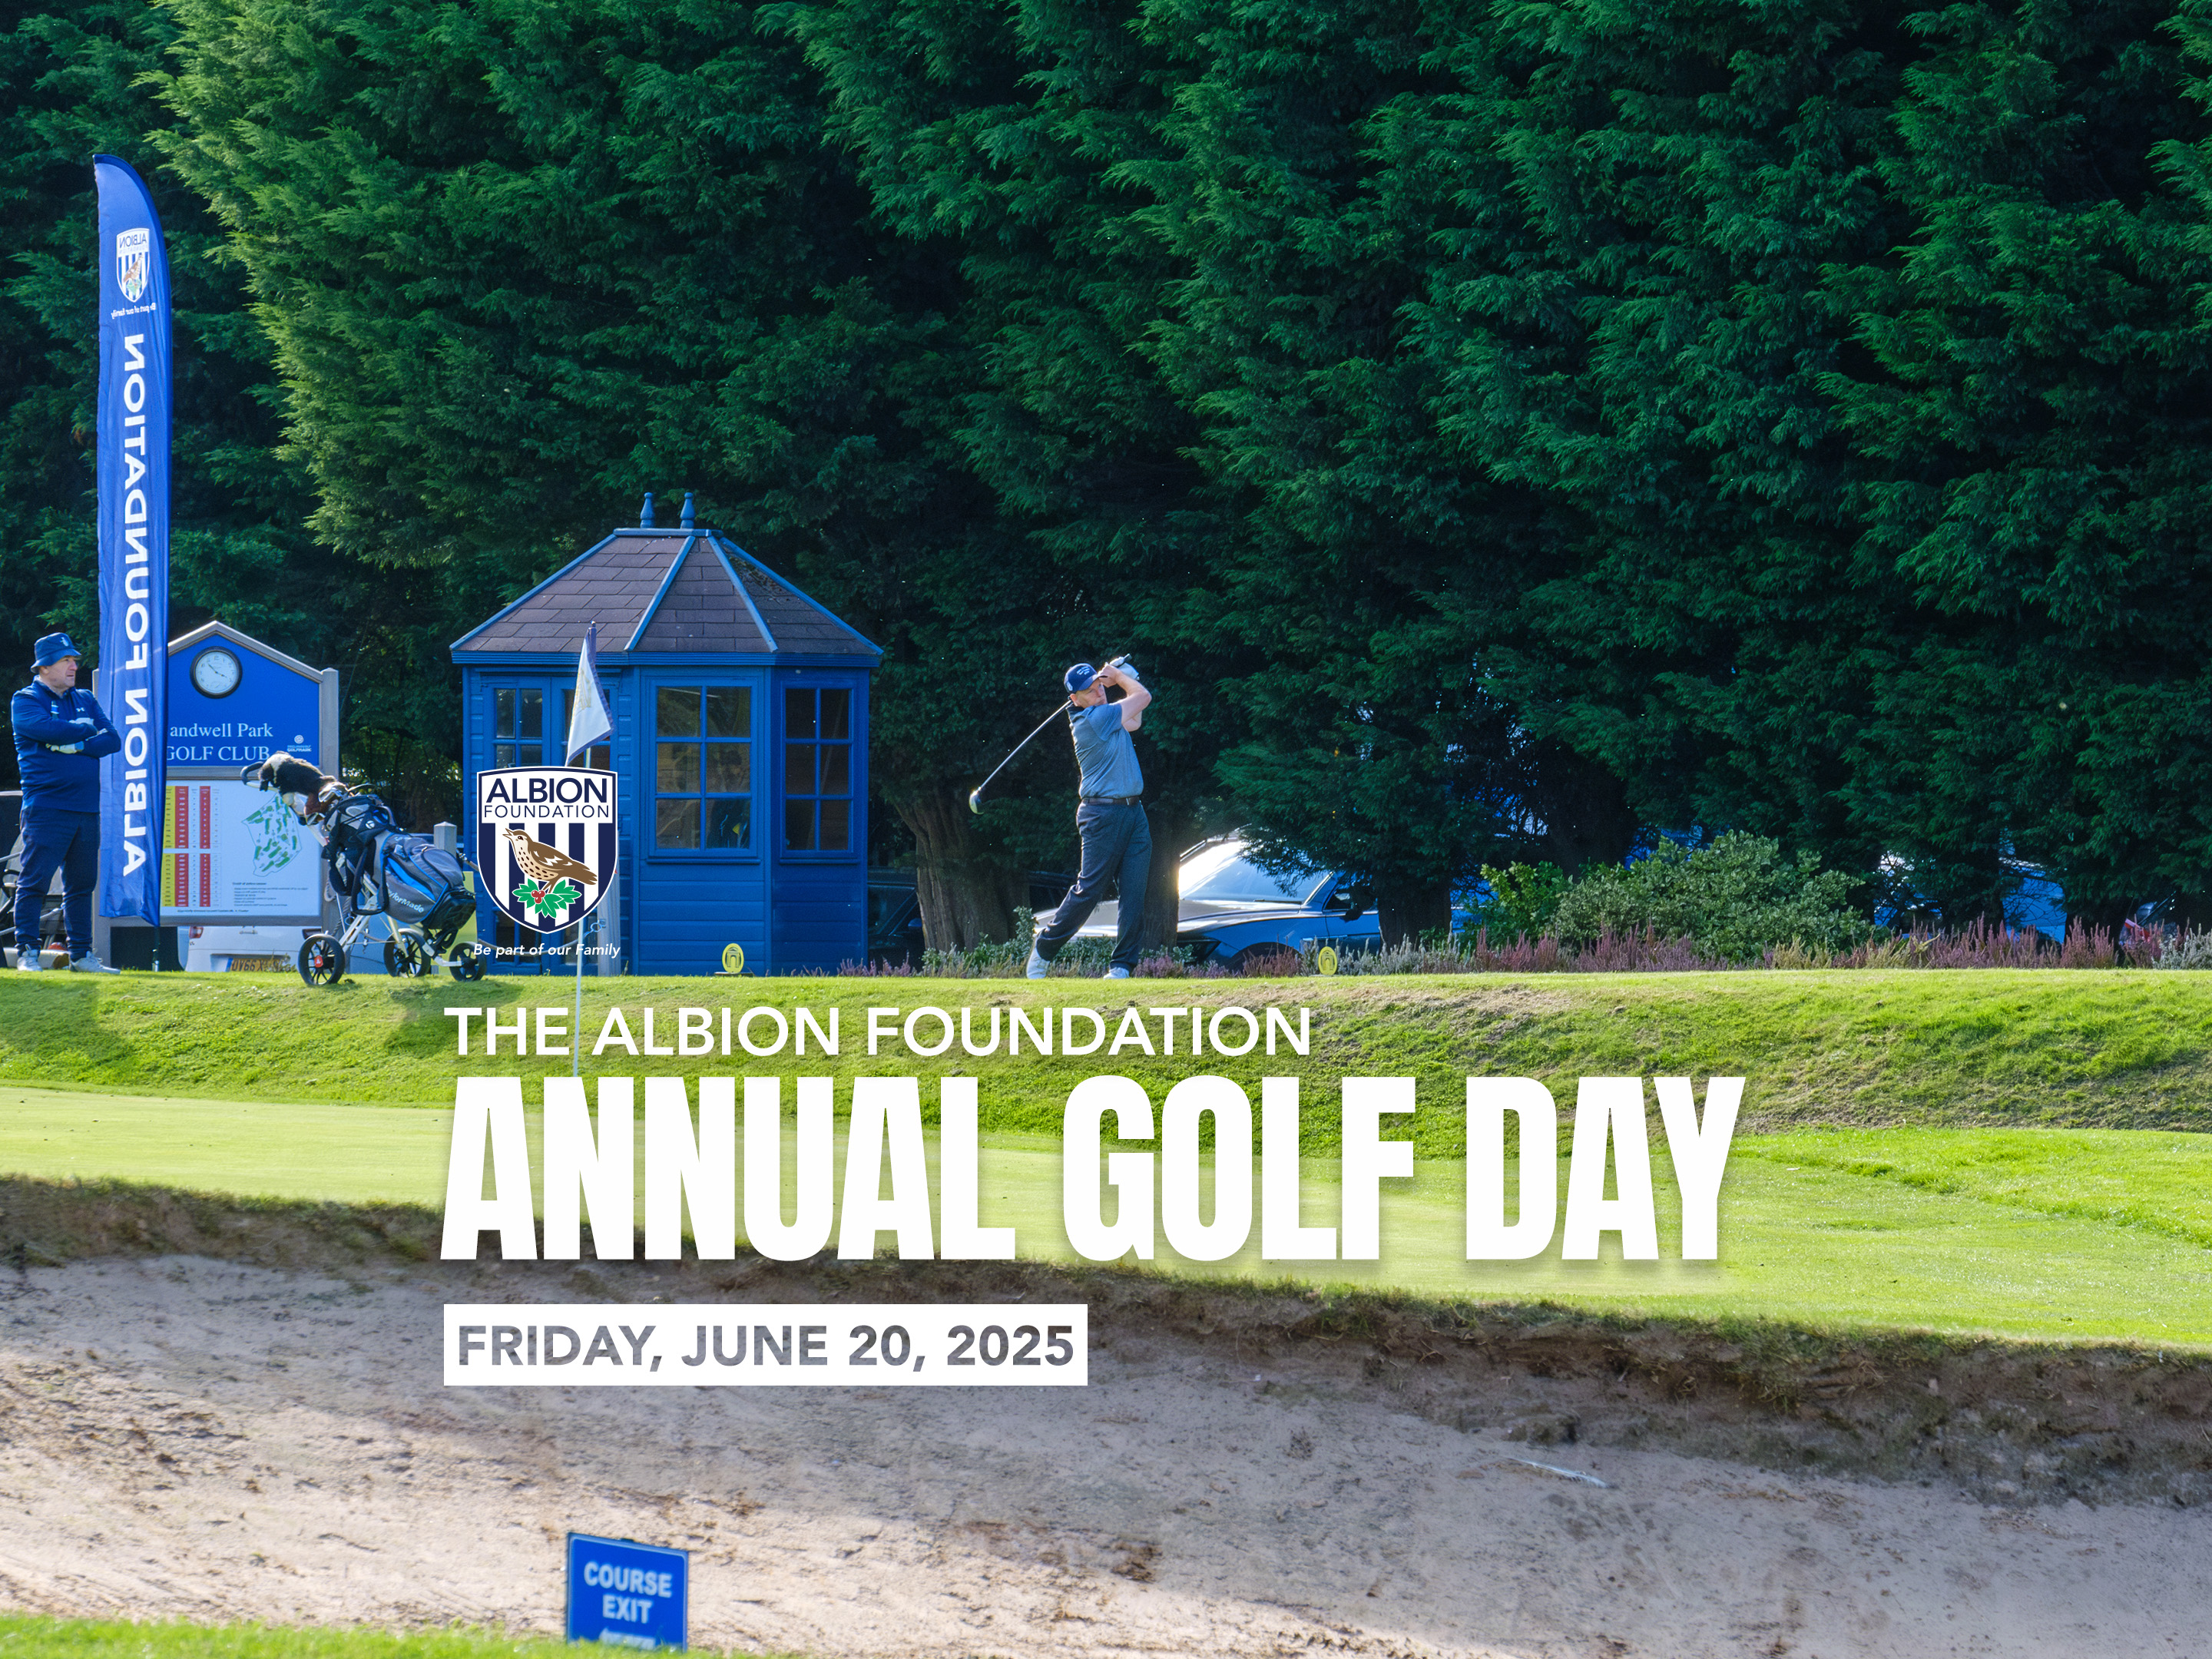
<point>133,259</point>
<point>546,842</point>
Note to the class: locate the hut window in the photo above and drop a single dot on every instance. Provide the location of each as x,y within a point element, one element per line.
<point>702,768</point>
<point>817,769</point>
<point>518,726</point>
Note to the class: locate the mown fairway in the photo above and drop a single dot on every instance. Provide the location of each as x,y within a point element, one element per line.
<point>2056,1234</point>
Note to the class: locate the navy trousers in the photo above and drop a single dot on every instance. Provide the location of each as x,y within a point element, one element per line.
<point>1117,853</point>
<point>69,842</point>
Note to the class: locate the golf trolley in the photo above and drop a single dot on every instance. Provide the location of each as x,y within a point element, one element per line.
<point>11,864</point>
<point>381,873</point>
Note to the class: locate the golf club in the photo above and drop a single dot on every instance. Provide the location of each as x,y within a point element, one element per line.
<point>975,795</point>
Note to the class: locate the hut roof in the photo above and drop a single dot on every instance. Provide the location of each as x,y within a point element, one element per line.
<point>666,591</point>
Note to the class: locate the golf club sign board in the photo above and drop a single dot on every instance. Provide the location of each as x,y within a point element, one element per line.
<point>546,842</point>
<point>623,1595</point>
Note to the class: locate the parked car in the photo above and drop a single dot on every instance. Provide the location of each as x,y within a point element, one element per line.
<point>1233,910</point>
<point>894,911</point>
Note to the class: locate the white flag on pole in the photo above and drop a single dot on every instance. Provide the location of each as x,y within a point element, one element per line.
<point>587,714</point>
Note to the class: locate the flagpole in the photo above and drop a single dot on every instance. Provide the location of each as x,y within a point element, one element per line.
<point>585,665</point>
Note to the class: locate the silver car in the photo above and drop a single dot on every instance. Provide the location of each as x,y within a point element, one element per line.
<point>1233,910</point>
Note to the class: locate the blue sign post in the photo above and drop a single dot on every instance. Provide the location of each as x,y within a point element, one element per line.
<point>134,536</point>
<point>622,1594</point>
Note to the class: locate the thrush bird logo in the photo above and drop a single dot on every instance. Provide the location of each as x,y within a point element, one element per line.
<point>547,864</point>
<point>549,875</point>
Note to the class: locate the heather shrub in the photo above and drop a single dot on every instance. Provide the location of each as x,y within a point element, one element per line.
<point>1176,963</point>
<point>1409,956</point>
<point>1977,945</point>
<point>1734,902</point>
<point>2088,947</point>
<point>1646,952</point>
<point>2191,950</point>
<point>2141,945</point>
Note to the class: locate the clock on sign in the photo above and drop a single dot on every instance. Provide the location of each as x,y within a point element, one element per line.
<point>216,671</point>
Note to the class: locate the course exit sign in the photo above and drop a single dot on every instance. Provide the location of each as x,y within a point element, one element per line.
<point>622,1594</point>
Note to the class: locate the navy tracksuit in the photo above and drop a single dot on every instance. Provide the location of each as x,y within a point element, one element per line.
<point>61,805</point>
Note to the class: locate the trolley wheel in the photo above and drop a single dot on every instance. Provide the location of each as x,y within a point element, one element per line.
<point>322,959</point>
<point>468,962</point>
<point>409,956</point>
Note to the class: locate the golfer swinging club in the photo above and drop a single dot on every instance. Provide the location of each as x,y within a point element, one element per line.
<point>1117,841</point>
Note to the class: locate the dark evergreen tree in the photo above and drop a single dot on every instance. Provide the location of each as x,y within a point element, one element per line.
<point>1023,139</point>
<point>1491,429</point>
<point>2033,397</point>
<point>523,261</point>
<point>1634,210</point>
<point>1360,558</point>
<point>69,89</point>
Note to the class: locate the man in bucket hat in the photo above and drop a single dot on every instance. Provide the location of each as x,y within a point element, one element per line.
<point>1117,841</point>
<point>61,733</point>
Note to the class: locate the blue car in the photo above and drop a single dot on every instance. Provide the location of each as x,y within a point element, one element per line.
<point>1233,910</point>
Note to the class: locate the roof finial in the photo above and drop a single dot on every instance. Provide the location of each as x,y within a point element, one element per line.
<point>644,513</point>
<point>690,521</point>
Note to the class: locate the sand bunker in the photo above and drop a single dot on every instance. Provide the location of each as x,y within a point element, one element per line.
<point>181,1435</point>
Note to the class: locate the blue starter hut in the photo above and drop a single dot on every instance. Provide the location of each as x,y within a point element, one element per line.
<point>740,710</point>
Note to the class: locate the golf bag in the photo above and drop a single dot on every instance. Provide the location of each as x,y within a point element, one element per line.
<point>379,871</point>
<point>376,868</point>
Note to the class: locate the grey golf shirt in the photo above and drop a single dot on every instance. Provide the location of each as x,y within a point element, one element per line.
<point>1103,753</point>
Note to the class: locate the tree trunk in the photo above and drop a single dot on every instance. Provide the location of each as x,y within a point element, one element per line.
<point>1971,890</point>
<point>1405,909</point>
<point>1586,814</point>
<point>1171,832</point>
<point>968,895</point>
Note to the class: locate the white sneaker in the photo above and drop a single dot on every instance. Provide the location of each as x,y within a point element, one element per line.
<point>1117,973</point>
<point>90,964</point>
<point>30,961</point>
<point>1038,966</point>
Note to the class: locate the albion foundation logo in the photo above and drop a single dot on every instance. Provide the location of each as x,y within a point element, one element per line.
<point>134,260</point>
<point>546,842</point>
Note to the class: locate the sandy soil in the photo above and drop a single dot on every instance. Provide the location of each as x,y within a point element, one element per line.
<point>182,1436</point>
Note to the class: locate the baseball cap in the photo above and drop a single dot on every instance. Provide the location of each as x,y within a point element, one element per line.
<point>1079,678</point>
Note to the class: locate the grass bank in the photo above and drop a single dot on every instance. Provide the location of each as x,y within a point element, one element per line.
<point>2110,1050</point>
<point>2053,1234</point>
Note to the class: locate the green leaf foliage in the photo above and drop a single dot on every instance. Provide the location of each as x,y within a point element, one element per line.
<point>2027,394</point>
<point>1522,902</point>
<point>1737,898</point>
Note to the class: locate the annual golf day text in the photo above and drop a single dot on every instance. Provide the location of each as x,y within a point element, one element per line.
<point>1132,1172</point>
